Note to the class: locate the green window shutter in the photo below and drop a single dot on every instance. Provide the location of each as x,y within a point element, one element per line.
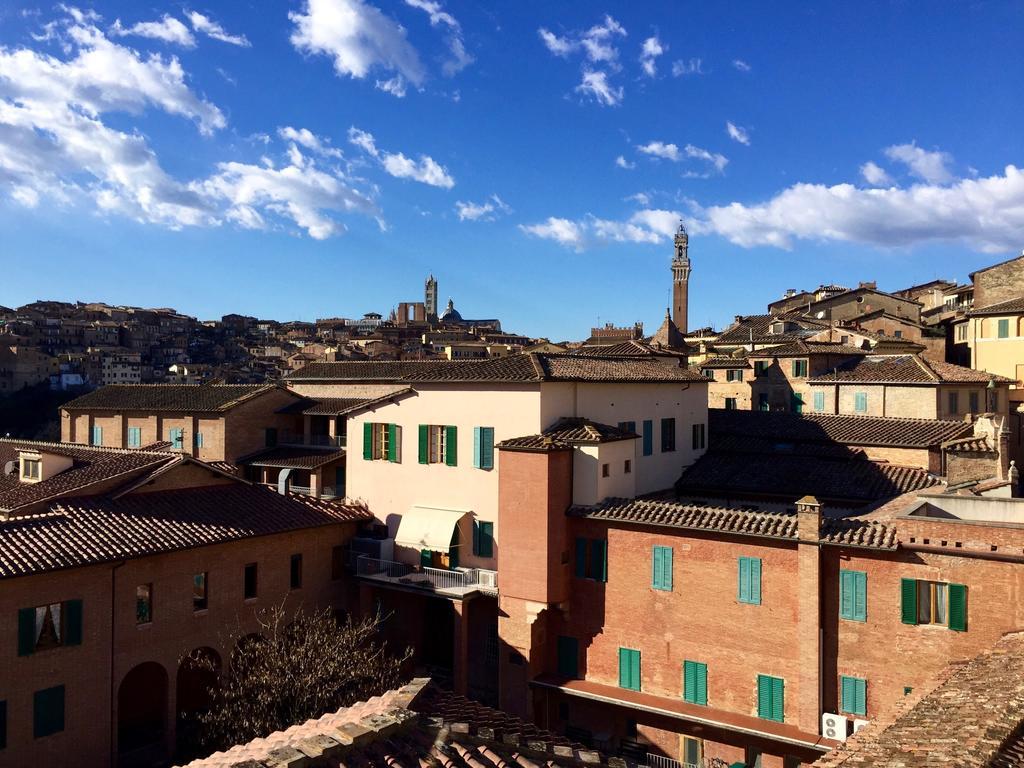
<point>755,580</point>
<point>635,669</point>
<point>860,599</point>
<point>702,684</point>
<point>957,607</point>
<point>424,443</point>
<point>908,601</point>
<point>486,447</point>
<point>394,448</point>
<point>853,697</point>
<point>581,557</point>
<point>629,669</point>
<point>568,656</point>
<point>73,622</point>
<point>750,580</point>
<point>661,568</point>
<point>486,543</point>
<point>451,455</point>
<point>846,696</point>
<point>648,437</point>
<point>796,368</point>
<point>26,631</point>
<point>764,697</point>
<point>599,559</point>
<point>819,401</point>
<point>476,447</point>
<point>853,595</point>
<point>48,711</point>
<point>689,681</point>
<point>860,698</point>
<point>623,668</point>
<point>367,441</point>
<point>476,537</point>
<point>1004,329</point>
<point>426,558</point>
<point>778,699</point>
<point>743,592</point>
<point>846,594</point>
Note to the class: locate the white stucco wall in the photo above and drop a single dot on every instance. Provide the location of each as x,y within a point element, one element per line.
<point>589,486</point>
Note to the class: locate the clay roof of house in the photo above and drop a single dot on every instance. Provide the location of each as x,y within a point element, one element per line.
<point>744,522</point>
<point>632,348</point>
<point>724,362</point>
<point>524,367</point>
<point>85,530</point>
<point>195,398</point>
<point>904,369</point>
<point>323,406</point>
<point>970,715</point>
<point>972,444</point>
<point>1011,307</point>
<point>567,432</point>
<point>805,348</point>
<point>298,457</point>
<point>827,428</point>
<point>416,725</point>
<point>848,481</point>
<point>91,466</point>
<point>761,326</point>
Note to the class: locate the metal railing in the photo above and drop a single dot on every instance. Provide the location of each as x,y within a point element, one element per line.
<point>425,576</point>
<point>317,441</point>
<point>371,566</point>
<point>660,761</point>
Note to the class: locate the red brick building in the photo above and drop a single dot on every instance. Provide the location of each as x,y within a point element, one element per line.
<point>114,565</point>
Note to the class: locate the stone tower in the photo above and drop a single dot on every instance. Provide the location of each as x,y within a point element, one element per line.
<point>430,298</point>
<point>680,279</point>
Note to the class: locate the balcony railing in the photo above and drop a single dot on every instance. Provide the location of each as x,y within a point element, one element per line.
<point>318,441</point>
<point>434,579</point>
<point>660,761</point>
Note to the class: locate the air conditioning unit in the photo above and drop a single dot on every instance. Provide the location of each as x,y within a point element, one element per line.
<point>834,726</point>
<point>858,724</point>
<point>488,579</point>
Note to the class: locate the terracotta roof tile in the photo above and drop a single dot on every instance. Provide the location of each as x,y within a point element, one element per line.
<point>1011,307</point>
<point>806,348</point>
<point>323,406</point>
<point>568,432</point>
<point>904,369</point>
<point>760,325</point>
<point>299,457</point>
<point>196,398</point>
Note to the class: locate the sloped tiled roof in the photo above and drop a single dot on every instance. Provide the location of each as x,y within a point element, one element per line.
<point>298,457</point>
<point>969,716</point>
<point>81,531</point>
<point>567,432</point>
<point>760,325</point>
<point>524,367</point>
<point>323,406</point>
<point>904,369</point>
<point>806,348</point>
<point>824,428</point>
<point>973,444</point>
<point>195,398</point>
<point>416,725</point>
<point>724,362</point>
<point>744,522</point>
<point>632,348</point>
<point>1011,307</point>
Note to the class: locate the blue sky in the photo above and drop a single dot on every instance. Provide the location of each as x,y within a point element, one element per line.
<point>318,158</point>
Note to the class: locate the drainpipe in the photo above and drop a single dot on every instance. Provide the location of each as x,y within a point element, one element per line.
<point>113,691</point>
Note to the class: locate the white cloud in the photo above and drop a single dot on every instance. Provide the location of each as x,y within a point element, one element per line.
<point>662,150</point>
<point>681,68</point>
<point>309,140</point>
<point>460,59</point>
<point>358,36</point>
<point>488,210</point>
<point>925,165</point>
<point>647,226</point>
<point>741,65</point>
<point>640,198</point>
<point>395,86</point>
<point>425,170</point>
<point>622,162</point>
<point>986,214</point>
<point>652,49</point>
<point>875,175</point>
<point>595,84</point>
<point>207,26</point>
<point>714,158</point>
<point>598,41</point>
<point>168,29</point>
<point>26,196</point>
<point>560,46</point>
<point>737,133</point>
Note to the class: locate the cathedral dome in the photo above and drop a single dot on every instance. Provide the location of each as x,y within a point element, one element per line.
<point>451,314</point>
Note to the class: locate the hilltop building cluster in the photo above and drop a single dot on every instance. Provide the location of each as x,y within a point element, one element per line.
<point>687,550</point>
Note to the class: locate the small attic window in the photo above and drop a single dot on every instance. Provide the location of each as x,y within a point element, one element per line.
<point>31,469</point>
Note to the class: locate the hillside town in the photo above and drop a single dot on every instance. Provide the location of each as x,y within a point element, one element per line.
<point>694,548</point>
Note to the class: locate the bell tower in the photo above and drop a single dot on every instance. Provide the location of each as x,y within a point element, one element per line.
<point>680,278</point>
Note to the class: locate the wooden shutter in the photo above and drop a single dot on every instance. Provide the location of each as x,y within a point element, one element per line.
<point>394,443</point>
<point>690,682</point>
<point>908,601</point>
<point>744,580</point>
<point>599,559</point>
<point>778,696</point>
<point>624,668</point>
<point>860,597</point>
<point>26,631</point>
<point>476,447</point>
<point>819,401</point>
<point>367,441</point>
<point>581,557</point>
<point>957,607</point>
<point>661,568</point>
<point>648,437</point>
<point>755,580</point>
<point>486,447</point>
<point>702,683</point>
<point>483,539</point>
<point>476,537</point>
<point>424,443</point>
<point>764,696</point>
<point>73,622</point>
<point>846,594</point>
<point>846,696</point>
<point>451,437</point>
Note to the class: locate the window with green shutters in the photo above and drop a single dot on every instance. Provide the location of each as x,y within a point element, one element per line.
<point>730,403</point>
<point>382,442</point>
<point>819,402</point>
<point>661,568</point>
<point>695,682</point>
<point>853,595</point>
<point>591,559</point>
<point>860,402</point>
<point>797,402</point>
<point>97,435</point>
<point>176,437</point>
<point>799,369</point>
<point>199,439</point>
<point>853,696</point>
<point>932,602</point>
<point>771,703</point>
<point>568,656</point>
<point>629,669</point>
<point>648,437</point>
<point>760,366</point>
<point>48,711</point>
<point>1003,331</point>
<point>49,626</point>
<point>668,435</point>
<point>750,580</point>
<point>483,538</point>
<point>134,437</point>
<point>483,447</point>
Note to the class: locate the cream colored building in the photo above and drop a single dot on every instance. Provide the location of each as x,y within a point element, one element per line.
<point>995,336</point>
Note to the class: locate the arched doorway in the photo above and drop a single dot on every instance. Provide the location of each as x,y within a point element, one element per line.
<point>198,676</point>
<point>141,713</point>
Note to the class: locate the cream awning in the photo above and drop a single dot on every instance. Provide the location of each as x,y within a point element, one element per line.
<point>428,528</point>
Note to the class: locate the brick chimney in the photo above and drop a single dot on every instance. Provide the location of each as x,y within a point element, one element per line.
<point>808,519</point>
<point>808,698</point>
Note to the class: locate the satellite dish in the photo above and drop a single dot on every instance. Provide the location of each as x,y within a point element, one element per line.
<point>821,314</point>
